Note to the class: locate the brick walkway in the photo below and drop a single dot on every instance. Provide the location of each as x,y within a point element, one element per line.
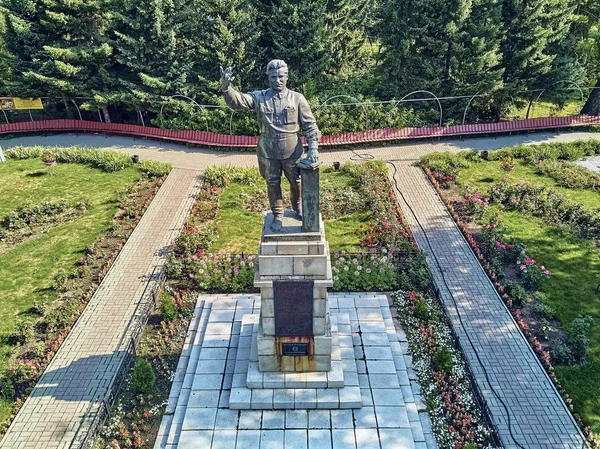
<point>539,418</point>
<point>72,391</point>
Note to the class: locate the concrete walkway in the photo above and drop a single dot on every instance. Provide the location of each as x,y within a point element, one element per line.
<point>501,359</point>
<point>81,379</point>
<point>71,393</point>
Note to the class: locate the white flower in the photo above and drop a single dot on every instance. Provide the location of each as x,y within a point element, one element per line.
<point>356,273</point>
<point>345,267</point>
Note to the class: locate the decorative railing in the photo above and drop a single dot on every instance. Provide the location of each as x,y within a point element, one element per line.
<point>224,140</point>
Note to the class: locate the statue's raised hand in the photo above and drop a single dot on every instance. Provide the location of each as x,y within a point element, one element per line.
<point>226,77</point>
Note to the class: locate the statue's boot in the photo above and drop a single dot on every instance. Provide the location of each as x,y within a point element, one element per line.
<point>276,203</point>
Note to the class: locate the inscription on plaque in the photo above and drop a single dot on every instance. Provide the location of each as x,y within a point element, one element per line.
<point>293,308</point>
<point>294,349</point>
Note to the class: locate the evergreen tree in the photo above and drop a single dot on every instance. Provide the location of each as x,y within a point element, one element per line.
<point>151,60</point>
<point>56,48</point>
<point>533,54</point>
<point>295,31</point>
<point>446,47</point>
<point>223,33</point>
<point>345,24</point>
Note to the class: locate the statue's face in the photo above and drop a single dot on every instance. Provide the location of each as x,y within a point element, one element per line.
<point>278,79</point>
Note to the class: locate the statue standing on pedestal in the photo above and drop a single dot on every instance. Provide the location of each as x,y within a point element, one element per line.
<point>281,114</point>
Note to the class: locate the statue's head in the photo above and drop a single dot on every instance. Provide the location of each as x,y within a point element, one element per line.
<point>277,71</point>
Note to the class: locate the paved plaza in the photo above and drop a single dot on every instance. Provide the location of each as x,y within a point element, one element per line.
<point>389,414</point>
<point>70,394</point>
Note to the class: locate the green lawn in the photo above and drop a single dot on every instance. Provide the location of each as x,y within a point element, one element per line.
<point>240,230</point>
<point>545,109</point>
<point>571,290</point>
<point>27,270</point>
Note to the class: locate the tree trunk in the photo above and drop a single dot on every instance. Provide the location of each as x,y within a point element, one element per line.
<point>105,113</point>
<point>592,105</point>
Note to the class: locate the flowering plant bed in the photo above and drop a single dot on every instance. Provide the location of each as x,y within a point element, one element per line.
<point>38,335</point>
<point>518,277</point>
<point>442,372</point>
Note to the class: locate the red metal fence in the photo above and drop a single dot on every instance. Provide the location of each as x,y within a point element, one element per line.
<point>225,140</point>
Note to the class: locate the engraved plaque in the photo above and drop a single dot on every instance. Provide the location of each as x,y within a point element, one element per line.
<point>293,308</point>
<point>294,348</point>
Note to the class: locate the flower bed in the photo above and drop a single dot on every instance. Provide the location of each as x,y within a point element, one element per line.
<point>38,339</point>
<point>488,250</point>
<point>442,372</point>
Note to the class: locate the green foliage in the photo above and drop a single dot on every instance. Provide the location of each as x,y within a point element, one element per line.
<point>143,376</point>
<point>63,314</point>
<point>155,169</point>
<point>168,308</point>
<point>7,390</point>
<point>60,279</point>
<point>371,270</point>
<point>516,293</point>
<point>421,309</point>
<point>549,205</point>
<point>568,151</point>
<point>29,213</point>
<point>578,338</point>
<point>24,330</point>
<point>442,360</point>
<point>568,174</point>
<point>414,274</point>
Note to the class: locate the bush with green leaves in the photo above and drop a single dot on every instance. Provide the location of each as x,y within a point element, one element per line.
<point>24,330</point>
<point>516,293</point>
<point>168,308</point>
<point>143,376</point>
<point>578,340</point>
<point>365,270</point>
<point>546,203</point>
<point>154,169</point>
<point>7,390</point>
<point>568,174</point>
<point>567,151</point>
<point>63,314</point>
<point>442,360</point>
<point>414,273</point>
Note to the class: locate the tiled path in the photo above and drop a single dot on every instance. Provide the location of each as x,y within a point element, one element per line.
<point>538,416</point>
<point>70,393</point>
<point>391,416</point>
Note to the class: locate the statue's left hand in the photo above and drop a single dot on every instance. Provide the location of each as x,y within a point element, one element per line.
<point>313,155</point>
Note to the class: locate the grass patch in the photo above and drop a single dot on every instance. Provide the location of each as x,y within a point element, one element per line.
<point>575,264</point>
<point>240,230</point>
<point>27,270</point>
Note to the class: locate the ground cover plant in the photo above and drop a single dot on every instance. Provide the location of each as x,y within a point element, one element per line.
<point>60,229</point>
<point>534,232</point>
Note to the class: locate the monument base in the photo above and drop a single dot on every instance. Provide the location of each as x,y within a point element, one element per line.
<point>293,273</point>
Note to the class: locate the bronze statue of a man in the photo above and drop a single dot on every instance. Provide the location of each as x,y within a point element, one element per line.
<point>281,114</point>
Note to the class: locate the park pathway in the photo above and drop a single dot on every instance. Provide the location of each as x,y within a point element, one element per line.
<point>500,358</point>
<point>72,394</point>
<point>87,369</point>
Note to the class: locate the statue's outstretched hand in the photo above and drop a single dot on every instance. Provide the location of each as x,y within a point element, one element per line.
<point>226,77</point>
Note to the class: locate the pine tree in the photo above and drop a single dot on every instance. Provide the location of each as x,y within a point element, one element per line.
<point>56,48</point>
<point>151,61</point>
<point>345,24</point>
<point>531,47</point>
<point>295,31</point>
<point>446,47</point>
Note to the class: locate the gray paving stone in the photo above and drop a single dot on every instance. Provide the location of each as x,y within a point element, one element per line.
<point>204,398</point>
<point>272,419</point>
<point>367,438</point>
<point>396,439</point>
<point>392,417</point>
<point>250,419</point>
<point>343,438</point>
<point>319,439</point>
<point>365,418</point>
<point>199,419</point>
<point>296,419</point>
<point>319,419</point>
<point>246,439</point>
<point>296,439</point>
<point>271,439</point>
<point>195,438</point>
<point>224,439</point>
<point>226,419</point>
<point>388,397</point>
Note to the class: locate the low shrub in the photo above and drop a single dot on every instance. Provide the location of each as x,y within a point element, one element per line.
<point>154,169</point>
<point>63,314</point>
<point>562,355</point>
<point>442,360</point>
<point>421,310</point>
<point>7,390</point>
<point>568,174</point>
<point>366,270</point>
<point>568,151</point>
<point>549,205</point>
<point>24,331</point>
<point>578,341</point>
<point>533,275</point>
<point>414,273</point>
<point>476,203</point>
<point>168,309</point>
<point>30,212</point>
<point>143,376</point>
<point>60,279</point>
<point>516,293</point>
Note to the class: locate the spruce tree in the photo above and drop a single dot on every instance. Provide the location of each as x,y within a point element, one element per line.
<point>295,31</point>
<point>533,55</point>
<point>446,47</point>
<point>56,48</point>
<point>151,60</point>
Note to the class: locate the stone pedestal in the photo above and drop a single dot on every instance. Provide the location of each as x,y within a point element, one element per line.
<point>293,335</point>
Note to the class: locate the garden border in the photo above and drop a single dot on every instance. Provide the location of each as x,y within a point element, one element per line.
<point>224,140</point>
